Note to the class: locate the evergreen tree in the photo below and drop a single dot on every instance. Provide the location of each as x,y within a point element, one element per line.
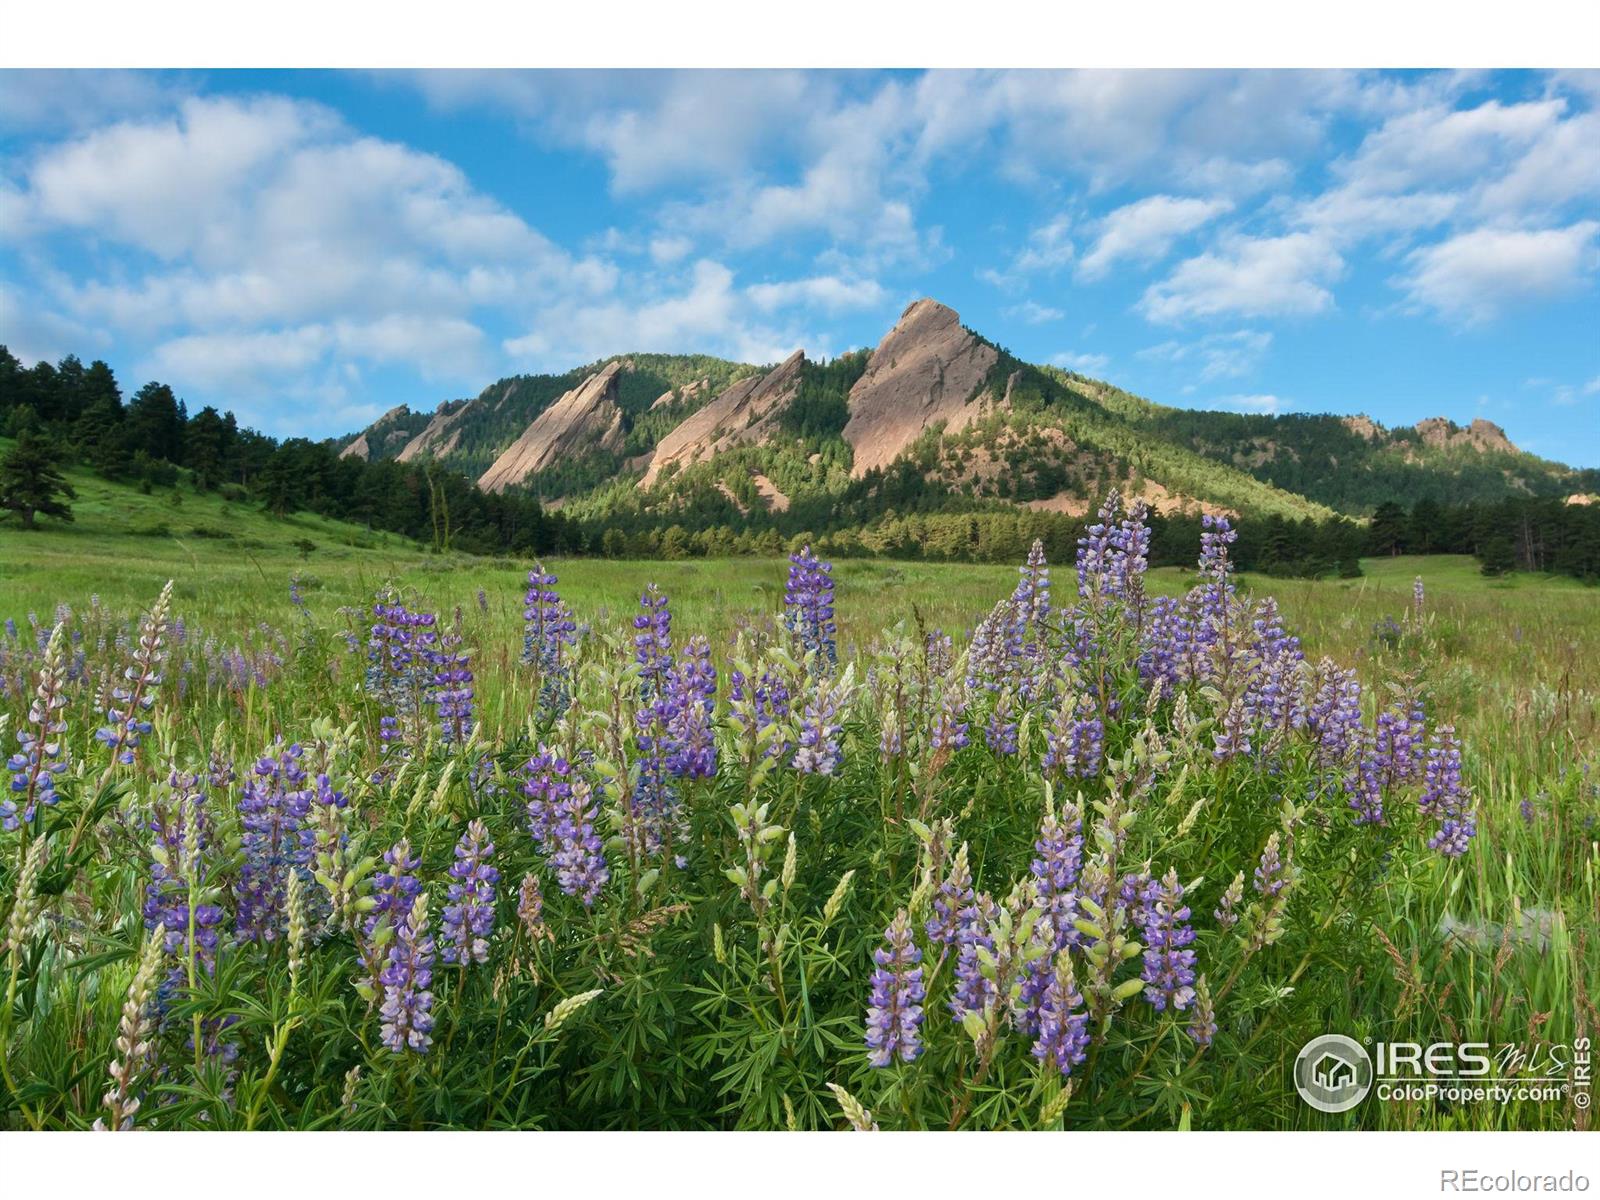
<point>30,482</point>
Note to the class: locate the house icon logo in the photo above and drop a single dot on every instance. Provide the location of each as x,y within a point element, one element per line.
<point>1333,1073</point>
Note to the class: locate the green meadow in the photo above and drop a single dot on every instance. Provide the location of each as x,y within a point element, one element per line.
<point>1514,663</point>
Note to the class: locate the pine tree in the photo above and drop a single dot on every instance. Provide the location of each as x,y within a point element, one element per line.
<point>30,482</point>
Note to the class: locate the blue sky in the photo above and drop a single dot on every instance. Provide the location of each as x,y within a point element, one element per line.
<point>310,248</point>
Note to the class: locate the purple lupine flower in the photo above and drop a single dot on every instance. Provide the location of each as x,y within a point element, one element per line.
<point>183,836</point>
<point>402,646</point>
<point>808,607</point>
<point>1168,964</point>
<point>453,695</point>
<point>949,728</point>
<point>1113,553</point>
<point>576,856</point>
<point>469,916</point>
<point>894,1009</point>
<point>272,811</point>
<point>1056,872</point>
<point>652,644</point>
<point>1032,596</point>
<point>1272,874</point>
<point>691,741</point>
<point>1333,717</point>
<point>395,888</point>
<point>1074,739</point>
<point>1062,1021</point>
<point>1216,535</point>
<point>759,703</point>
<point>1363,785</point>
<point>548,633</point>
<point>1276,700</point>
<point>973,990</point>
<point>42,756</point>
<point>1417,600</point>
<point>1001,730</point>
<point>953,898</point>
<point>407,982</point>
<point>125,723</point>
<point>1227,910</point>
<point>820,750</point>
<point>1445,798</point>
<point>546,785</point>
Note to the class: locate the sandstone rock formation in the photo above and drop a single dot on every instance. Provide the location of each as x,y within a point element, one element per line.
<point>442,434</point>
<point>926,369</point>
<point>1480,435</point>
<point>380,430</point>
<point>585,419</point>
<point>744,415</point>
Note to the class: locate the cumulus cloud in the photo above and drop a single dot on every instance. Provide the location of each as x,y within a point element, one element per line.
<point>1031,312</point>
<point>1251,277</point>
<point>275,240</point>
<point>1473,277</point>
<point>827,292</point>
<point>708,315</point>
<point>1145,231</point>
<point>1217,355</point>
<point>1261,404</point>
<point>1083,364</point>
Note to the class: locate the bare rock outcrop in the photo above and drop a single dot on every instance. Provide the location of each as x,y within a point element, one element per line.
<point>586,418</point>
<point>745,415</point>
<point>926,369</point>
<point>442,434</point>
<point>380,431</point>
<point>1362,426</point>
<point>1481,435</point>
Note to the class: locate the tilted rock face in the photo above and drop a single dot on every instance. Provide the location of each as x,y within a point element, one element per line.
<point>925,370</point>
<point>1362,426</point>
<point>1480,435</point>
<point>361,448</point>
<point>586,418</point>
<point>441,435</point>
<point>744,415</point>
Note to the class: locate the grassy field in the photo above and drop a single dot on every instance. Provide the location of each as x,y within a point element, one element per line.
<point>1514,664</point>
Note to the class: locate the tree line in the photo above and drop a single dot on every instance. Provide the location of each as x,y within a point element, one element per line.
<point>68,413</point>
<point>1527,533</point>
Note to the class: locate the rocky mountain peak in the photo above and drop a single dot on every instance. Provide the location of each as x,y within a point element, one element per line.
<point>1481,435</point>
<point>746,414</point>
<point>928,368</point>
<point>585,419</point>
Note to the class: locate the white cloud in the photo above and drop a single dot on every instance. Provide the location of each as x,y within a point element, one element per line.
<point>278,241</point>
<point>1568,394</point>
<point>33,333</point>
<point>1031,312</point>
<point>1473,277</point>
<point>1145,231</point>
<point>1217,355</point>
<point>1252,277</point>
<point>1264,404</point>
<point>664,251</point>
<point>708,315</point>
<point>827,292</point>
<point>52,101</point>
<point>1083,364</point>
